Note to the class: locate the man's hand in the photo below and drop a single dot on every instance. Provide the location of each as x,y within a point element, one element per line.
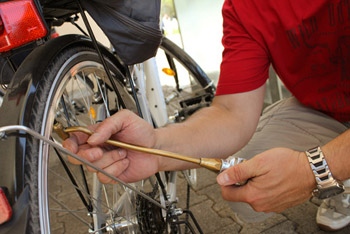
<point>127,165</point>
<point>278,178</point>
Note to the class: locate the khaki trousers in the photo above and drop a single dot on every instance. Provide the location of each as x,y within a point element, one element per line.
<point>287,123</point>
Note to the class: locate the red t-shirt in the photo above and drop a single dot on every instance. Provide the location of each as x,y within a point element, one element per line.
<point>307,42</point>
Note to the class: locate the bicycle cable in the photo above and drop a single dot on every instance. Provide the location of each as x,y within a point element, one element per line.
<point>34,134</point>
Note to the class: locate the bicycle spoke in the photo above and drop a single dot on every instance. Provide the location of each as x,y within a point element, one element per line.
<point>107,200</point>
<point>86,185</point>
<point>103,97</point>
<point>77,187</point>
<point>73,181</point>
<point>72,213</point>
<point>84,99</point>
<point>88,105</point>
<point>112,210</point>
<point>63,103</point>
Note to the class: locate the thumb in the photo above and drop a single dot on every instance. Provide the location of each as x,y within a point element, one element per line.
<point>104,131</point>
<point>97,138</point>
<point>236,174</point>
<point>110,126</point>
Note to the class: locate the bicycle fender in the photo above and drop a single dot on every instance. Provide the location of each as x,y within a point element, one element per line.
<point>17,106</point>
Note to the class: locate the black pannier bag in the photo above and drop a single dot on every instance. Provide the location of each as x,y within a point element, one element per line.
<point>132,26</point>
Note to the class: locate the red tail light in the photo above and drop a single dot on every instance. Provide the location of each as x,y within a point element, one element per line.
<point>5,208</point>
<point>21,23</point>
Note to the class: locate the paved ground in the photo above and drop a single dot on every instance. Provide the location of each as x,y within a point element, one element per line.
<point>215,216</point>
<point>211,211</point>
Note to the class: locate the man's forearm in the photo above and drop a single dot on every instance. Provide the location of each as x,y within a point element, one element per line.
<point>213,132</point>
<point>337,154</point>
<point>204,135</point>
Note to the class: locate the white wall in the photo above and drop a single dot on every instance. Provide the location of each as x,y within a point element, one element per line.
<point>69,28</point>
<point>201,28</point>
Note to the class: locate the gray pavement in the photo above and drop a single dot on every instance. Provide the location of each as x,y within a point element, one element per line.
<point>211,211</point>
<point>215,216</point>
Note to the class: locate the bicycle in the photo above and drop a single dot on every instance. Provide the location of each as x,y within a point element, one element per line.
<point>73,87</point>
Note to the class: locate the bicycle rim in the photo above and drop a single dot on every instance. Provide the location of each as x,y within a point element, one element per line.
<point>81,95</point>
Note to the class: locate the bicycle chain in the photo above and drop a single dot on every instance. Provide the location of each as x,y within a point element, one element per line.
<point>149,216</point>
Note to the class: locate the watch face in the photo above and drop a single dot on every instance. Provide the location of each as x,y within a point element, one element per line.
<point>329,192</point>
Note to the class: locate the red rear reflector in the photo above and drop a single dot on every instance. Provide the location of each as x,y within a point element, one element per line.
<point>5,208</point>
<point>22,24</point>
<point>54,35</point>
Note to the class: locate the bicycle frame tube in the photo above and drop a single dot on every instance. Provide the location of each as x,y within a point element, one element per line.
<point>139,80</point>
<point>154,93</point>
<point>152,103</point>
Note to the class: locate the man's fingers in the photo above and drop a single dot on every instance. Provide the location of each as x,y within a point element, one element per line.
<point>115,169</point>
<point>236,174</point>
<point>247,194</point>
<point>76,139</point>
<point>108,127</point>
<point>71,144</point>
<point>109,157</point>
<point>87,153</point>
<point>234,193</point>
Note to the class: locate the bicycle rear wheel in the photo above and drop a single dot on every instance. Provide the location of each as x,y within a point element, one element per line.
<point>76,91</point>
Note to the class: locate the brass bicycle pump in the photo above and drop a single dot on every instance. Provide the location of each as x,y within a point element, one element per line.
<point>216,165</point>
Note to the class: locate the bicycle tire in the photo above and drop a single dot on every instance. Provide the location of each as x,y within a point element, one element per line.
<point>189,63</point>
<point>47,107</point>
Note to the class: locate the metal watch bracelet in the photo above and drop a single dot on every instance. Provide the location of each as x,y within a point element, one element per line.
<point>327,186</point>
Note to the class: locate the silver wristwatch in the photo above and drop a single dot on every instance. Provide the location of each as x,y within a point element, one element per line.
<point>327,186</point>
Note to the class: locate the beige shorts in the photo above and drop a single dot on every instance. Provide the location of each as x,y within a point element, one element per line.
<point>289,124</point>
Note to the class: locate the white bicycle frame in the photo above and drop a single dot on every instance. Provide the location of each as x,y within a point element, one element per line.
<point>153,106</point>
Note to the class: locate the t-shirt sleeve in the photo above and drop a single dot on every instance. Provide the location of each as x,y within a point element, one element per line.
<point>245,62</point>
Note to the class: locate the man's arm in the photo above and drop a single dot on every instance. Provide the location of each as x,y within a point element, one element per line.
<point>282,178</point>
<point>214,132</point>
